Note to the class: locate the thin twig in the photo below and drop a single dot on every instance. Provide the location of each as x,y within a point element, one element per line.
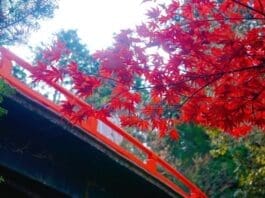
<point>249,7</point>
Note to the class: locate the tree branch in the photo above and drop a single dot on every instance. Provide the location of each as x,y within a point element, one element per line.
<point>249,7</point>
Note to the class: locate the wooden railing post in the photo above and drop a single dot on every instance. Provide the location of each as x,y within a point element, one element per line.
<point>151,163</point>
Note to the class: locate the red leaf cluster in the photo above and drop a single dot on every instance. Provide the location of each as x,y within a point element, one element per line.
<point>199,61</point>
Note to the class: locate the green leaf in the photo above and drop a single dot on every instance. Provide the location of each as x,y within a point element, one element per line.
<point>2,179</point>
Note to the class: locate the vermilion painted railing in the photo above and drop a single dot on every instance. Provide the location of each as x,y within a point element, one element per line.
<point>152,164</point>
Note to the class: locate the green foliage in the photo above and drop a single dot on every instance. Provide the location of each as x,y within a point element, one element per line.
<point>19,17</point>
<point>86,63</point>
<point>4,91</point>
<point>248,154</point>
<point>79,51</point>
<point>193,141</point>
<point>219,164</point>
<point>2,179</point>
<point>80,54</point>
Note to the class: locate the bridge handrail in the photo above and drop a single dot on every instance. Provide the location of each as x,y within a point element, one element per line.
<point>153,160</point>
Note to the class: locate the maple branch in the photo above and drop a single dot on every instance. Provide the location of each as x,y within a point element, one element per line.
<point>245,69</point>
<point>198,90</point>
<point>221,19</point>
<point>159,86</point>
<point>193,77</point>
<point>107,78</point>
<point>249,7</point>
<point>229,72</point>
<point>258,94</point>
<point>220,75</point>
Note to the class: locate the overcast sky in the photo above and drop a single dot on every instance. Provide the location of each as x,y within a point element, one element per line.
<point>95,20</point>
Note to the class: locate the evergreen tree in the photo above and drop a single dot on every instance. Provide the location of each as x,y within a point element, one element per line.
<point>72,50</point>
<point>19,17</point>
<point>4,91</point>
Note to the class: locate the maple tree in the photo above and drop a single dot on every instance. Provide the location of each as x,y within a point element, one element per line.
<point>200,61</point>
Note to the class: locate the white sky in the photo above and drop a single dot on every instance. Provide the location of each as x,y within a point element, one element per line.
<point>95,20</point>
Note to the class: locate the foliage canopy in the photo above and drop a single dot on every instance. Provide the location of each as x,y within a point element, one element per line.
<point>198,61</point>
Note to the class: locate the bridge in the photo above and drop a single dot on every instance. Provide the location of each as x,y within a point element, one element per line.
<point>43,152</point>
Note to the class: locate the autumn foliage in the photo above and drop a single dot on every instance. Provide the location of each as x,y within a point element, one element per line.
<point>201,61</point>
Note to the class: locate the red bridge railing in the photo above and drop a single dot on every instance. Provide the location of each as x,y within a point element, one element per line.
<point>152,163</point>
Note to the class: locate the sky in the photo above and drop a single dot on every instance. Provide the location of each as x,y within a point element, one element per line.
<point>95,20</point>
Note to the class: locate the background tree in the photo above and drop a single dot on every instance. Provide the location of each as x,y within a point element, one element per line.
<point>78,51</point>
<point>4,91</point>
<point>19,18</point>
<point>247,155</point>
<point>221,165</point>
<point>71,49</point>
